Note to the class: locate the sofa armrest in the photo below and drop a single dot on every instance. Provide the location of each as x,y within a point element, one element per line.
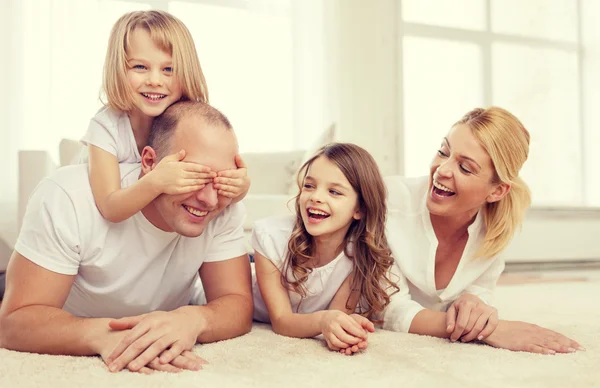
<point>34,166</point>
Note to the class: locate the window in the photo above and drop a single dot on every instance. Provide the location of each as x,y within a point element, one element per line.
<point>526,57</point>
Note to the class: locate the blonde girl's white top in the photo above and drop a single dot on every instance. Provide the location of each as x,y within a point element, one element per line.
<point>413,243</point>
<point>270,238</point>
<point>111,131</point>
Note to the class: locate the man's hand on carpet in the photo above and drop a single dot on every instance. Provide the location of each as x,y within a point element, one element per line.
<point>470,318</point>
<point>158,334</point>
<point>527,337</point>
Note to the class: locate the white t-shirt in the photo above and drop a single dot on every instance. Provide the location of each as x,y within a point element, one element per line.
<point>413,243</point>
<point>125,268</point>
<point>270,238</point>
<point>111,131</point>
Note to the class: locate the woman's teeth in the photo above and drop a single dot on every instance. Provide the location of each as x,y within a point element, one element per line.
<point>442,187</point>
<point>195,212</point>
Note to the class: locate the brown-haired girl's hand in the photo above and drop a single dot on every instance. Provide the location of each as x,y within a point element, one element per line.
<point>341,331</point>
<point>527,337</point>
<point>469,318</point>
<point>365,324</point>
<point>233,183</point>
<point>173,176</point>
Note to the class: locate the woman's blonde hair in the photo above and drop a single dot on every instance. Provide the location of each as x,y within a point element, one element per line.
<point>168,33</point>
<point>507,142</point>
<point>365,242</point>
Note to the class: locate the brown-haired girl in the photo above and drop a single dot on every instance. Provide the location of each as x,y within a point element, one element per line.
<point>325,270</point>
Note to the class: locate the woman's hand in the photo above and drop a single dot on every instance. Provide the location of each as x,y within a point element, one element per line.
<point>470,318</point>
<point>342,331</point>
<point>527,337</point>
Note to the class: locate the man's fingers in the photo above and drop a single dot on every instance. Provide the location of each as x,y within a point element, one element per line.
<point>187,363</point>
<point>450,319</point>
<point>129,348</point>
<point>194,356</point>
<point>152,351</point>
<point>169,355</point>
<point>137,332</point>
<point>145,370</point>
<point>156,365</point>
<point>125,323</point>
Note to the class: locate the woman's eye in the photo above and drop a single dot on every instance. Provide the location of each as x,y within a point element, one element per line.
<point>464,169</point>
<point>441,153</point>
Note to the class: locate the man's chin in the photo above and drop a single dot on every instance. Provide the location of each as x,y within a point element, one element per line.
<point>190,231</point>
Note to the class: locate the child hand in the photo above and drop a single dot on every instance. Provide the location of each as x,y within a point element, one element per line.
<point>365,324</point>
<point>342,331</point>
<point>470,318</point>
<point>233,183</point>
<point>172,176</point>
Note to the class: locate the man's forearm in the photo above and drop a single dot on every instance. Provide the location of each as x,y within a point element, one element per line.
<point>49,330</point>
<point>223,318</point>
<point>430,322</point>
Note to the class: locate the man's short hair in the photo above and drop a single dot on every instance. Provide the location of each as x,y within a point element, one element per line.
<point>164,125</point>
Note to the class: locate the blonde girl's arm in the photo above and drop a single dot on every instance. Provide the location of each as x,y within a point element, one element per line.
<point>283,320</point>
<point>114,203</point>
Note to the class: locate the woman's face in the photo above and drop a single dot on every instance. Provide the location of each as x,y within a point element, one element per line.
<point>461,177</point>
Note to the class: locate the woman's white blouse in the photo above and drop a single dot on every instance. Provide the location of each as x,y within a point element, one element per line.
<point>414,244</point>
<point>270,238</point>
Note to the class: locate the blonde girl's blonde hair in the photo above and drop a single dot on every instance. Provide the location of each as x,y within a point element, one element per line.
<point>170,35</point>
<point>507,142</point>
<point>365,242</point>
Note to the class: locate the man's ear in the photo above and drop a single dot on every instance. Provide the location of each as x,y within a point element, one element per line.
<point>499,192</point>
<point>149,159</point>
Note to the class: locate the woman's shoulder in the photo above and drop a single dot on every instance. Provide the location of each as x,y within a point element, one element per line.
<point>405,193</point>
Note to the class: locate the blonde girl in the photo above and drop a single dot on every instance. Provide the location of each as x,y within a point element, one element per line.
<point>151,63</point>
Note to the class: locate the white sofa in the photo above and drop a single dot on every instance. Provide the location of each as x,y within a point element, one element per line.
<point>272,176</point>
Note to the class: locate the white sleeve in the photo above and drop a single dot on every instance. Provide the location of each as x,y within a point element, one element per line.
<point>102,134</point>
<point>400,312</point>
<point>484,286</point>
<point>229,240</point>
<point>49,236</point>
<point>265,243</point>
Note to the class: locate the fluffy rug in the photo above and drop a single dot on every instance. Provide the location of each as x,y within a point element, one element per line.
<point>263,359</point>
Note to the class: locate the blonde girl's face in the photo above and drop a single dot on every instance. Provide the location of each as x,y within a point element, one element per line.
<point>328,203</point>
<point>150,75</point>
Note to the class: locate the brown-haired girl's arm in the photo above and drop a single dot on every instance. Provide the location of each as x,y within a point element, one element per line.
<point>117,204</point>
<point>285,322</point>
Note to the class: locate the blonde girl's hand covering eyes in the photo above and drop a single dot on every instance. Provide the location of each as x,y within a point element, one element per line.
<point>173,176</point>
<point>233,183</point>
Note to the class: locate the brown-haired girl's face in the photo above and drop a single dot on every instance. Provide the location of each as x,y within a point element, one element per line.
<point>150,75</point>
<point>328,204</point>
<point>461,175</point>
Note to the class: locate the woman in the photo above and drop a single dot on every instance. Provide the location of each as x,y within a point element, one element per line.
<point>446,232</point>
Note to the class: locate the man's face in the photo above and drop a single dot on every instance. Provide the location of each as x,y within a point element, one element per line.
<point>211,146</point>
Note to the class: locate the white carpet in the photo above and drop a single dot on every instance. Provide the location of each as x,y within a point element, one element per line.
<point>263,359</point>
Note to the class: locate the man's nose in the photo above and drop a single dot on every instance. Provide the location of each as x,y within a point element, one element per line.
<point>209,196</point>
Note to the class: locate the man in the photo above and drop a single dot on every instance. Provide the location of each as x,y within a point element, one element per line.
<point>72,271</point>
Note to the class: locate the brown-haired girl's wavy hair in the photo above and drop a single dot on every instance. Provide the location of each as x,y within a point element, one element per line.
<point>507,142</point>
<point>167,32</point>
<point>365,242</point>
